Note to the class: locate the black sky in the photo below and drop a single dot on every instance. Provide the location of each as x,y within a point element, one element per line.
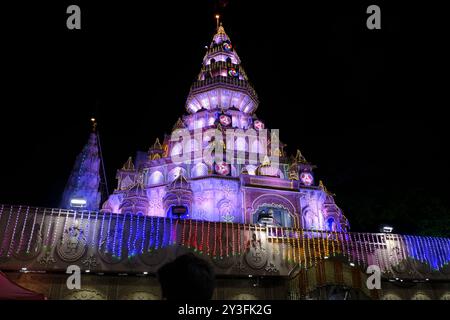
<point>359,103</point>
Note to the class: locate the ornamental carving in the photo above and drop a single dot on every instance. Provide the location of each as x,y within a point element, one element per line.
<point>73,245</point>
<point>256,256</point>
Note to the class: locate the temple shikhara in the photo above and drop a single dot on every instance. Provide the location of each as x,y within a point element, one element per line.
<point>267,225</point>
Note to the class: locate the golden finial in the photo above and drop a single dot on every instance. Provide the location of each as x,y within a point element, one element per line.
<point>157,145</point>
<point>94,124</point>
<point>128,166</point>
<point>217,19</point>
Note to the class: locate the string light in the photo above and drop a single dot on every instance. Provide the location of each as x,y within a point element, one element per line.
<point>157,234</point>
<point>32,230</point>
<point>226,239</point>
<point>170,231</point>
<point>195,236</point>
<point>232,240</point>
<point>183,234</point>
<point>291,236</point>
<point>47,235</point>
<point>151,239</point>
<point>202,238</point>
<point>129,237</point>
<point>332,243</point>
<point>116,230</point>
<point>238,239</point>
<point>207,238</point>
<point>220,240</point>
<point>215,241</point>
<point>101,232</point>
<point>136,234</point>
<point>163,237</point>
<point>362,249</point>
<point>302,233</point>
<point>11,243</point>
<point>72,227</point>
<point>108,233</point>
<point>87,227</point>
<point>310,254</point>
<point>56,230</point>
<point>81,225</point>
<point>23,230</point>
<point>175,233</point>
<point>143,235</point>
<point>122,232</point>
<point>190,234</point>
<point>66,218</point>
<point>94,232</point>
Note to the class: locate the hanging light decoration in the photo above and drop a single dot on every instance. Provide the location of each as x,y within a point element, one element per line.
<point>94,232</point>
<point>208,238</point>
<point>183,234</point>
<point>200,248</point>
<point>122,232</point>
<point>32,230</point>
<point>226,239</point>
<point>108,232</point>
<point>101,232</point>
<point>151,237</point>
<point>143,235</point>
<point>116,230</point>
<point>215,241</point>
<point>11,242</point>
<point>130,234</point>
<point>220,240</point>
<point>175,233</point>
<point>157,234</point>
<point>55,231</point>
<point>19,247</point>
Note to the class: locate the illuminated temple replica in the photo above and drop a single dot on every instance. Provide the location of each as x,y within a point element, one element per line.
<point>270,231</point>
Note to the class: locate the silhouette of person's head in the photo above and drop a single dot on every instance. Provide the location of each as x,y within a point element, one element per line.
<point>187,278</point>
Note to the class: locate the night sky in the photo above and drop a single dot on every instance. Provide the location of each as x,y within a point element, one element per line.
<point>359,103</point>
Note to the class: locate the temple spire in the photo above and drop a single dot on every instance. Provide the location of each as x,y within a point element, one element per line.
<point>82,189</point>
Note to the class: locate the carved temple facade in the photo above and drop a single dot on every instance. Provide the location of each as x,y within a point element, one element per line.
<point>268,228</point>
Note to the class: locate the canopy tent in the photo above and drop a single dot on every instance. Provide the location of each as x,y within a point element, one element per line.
<point>12,291</point>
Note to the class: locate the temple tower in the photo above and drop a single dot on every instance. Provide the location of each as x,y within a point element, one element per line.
<point>82,189</point>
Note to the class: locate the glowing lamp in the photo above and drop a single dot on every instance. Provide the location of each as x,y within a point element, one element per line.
<point>387,229</point>
<point>78,203</point>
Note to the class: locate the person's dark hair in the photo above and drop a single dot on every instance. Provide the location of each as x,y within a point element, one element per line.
<point>187,278</point>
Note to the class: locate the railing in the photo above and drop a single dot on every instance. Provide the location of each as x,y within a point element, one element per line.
<point>26,232</point>
<point>241,84</point>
